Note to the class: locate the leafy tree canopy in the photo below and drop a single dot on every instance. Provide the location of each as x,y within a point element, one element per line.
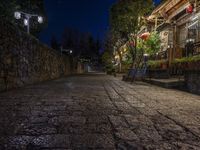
<point>126,15</point>
<point>152,45</point>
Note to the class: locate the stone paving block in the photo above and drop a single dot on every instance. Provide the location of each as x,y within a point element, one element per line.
<point>138,120</point>
<point>72,119</point>
<point>99,112</point>
<point>39,113</point>
<point>93,141</point>
<point>126,145</point>
<point>52,141</point>
<point>125,108</point>
<point>36,129</point>
<point>97,119</point>
<point>99,128</point>
<point>126,134</point>
<point>37,120</point>
<point>118,121</point>
<point>148,134</point>
<point>17,142</point>
<point>67,120</point>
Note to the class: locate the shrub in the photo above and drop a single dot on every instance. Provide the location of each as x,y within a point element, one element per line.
<point>110,69</point>
<point>187,63</point>
<point>187,59</point>
<point>155,64</point>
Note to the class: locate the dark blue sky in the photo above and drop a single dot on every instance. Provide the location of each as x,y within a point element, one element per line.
<point>85,15</point>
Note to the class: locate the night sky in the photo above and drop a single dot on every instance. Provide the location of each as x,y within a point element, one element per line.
<point>85,15</point>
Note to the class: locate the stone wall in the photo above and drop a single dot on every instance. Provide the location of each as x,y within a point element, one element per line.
<point>192,79</point>
<point>24,60</point>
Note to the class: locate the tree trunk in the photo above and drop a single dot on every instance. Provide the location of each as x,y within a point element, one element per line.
<point>120,60</point>
<point>134,52</point>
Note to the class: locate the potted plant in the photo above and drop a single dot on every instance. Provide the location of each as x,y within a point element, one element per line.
<point>164,64</point>
<point>188,63</point>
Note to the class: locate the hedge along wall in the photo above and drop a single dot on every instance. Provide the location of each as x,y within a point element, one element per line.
<point>24,60</point>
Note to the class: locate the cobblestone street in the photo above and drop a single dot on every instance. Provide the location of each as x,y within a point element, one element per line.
<point>96,111</point>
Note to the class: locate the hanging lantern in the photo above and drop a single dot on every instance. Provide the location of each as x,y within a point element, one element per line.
<point>145,36</point>
<point>190,9</point>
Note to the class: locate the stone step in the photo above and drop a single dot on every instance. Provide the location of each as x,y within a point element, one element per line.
<point>167,83</point>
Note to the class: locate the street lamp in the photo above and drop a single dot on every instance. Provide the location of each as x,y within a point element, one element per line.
<point>145,59</point>
<point>66,50</point>
<point>18,15</point>
<point>26,22</point>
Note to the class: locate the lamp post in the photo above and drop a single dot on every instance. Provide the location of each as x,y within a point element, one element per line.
<point>65,50</point>
<point>145,59</point>
<point>18,15</point>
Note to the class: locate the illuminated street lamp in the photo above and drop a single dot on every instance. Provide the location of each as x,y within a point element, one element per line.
<point>26,22</point>
<point>66,50</point>
<point>40,19</point>
<point>18,15</point>
<point>145,59</point>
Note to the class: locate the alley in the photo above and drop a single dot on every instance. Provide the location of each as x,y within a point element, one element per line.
<point>96,111</point>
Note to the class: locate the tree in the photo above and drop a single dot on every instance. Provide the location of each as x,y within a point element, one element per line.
<point>107,56</point>
<point>152,44</point>
<point>54,43</point>
<point>126,19</point>
<point>7,9</point>
<point>97,47</point>
<point>83,45</point>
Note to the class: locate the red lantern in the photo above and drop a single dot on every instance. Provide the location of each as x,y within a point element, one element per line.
<point>189,9</point>
<point>145,36</point>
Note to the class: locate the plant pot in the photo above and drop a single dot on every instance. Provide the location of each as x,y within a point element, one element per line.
<point>197,65</point>
<point>190,66</point>
<point>184,66</point>
<point>164,66</point>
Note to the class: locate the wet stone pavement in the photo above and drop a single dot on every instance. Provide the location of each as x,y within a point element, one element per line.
<point>96,111</point>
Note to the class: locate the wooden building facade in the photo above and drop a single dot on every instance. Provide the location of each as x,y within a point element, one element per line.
<point>177,21</point>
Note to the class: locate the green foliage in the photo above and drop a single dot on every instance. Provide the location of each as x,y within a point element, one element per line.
<point>187,59</point>
<point>187,63</point>
<point>110,69</point>
<point>107,58</point>
<point>126,19</point>
<point>152,44</point>
<point>128,57</point>
<point>126,65</point>
<point>126,15</point>
<point>153,64</point>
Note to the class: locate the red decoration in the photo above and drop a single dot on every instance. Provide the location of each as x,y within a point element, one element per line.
<point>132,44</point>
<point>189,9</point>
<point>145,36</point>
